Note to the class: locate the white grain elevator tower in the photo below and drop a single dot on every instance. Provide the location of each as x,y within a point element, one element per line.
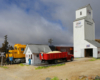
<point>84,34</point>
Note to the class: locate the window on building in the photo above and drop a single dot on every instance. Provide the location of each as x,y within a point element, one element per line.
<point>37,55</point>
<point>68,53</point>
<point>71,48</point>
<point>10,52</point>
<point>80,13</point>
<point>31,56</point>
<point>15,48</point>
<point>63,50</point>
<point>22,49</point>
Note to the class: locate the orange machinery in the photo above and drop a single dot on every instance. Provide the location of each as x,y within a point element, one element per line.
<point>17,55</point>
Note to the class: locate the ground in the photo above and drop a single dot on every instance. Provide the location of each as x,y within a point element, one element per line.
<point>70,71</point>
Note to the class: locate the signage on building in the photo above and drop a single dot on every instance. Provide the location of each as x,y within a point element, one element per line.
<point>78,24</point>
<point>26,55</point>
<point>87,45</point>
<point>2,55</point>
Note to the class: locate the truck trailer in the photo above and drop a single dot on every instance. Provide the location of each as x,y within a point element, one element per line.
<point>55,57</point>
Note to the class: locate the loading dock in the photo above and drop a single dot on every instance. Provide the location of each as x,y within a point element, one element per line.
<point>88,52</point>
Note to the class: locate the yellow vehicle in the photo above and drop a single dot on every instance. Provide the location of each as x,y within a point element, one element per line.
<point>16,55</point>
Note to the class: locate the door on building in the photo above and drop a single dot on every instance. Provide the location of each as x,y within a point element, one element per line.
<point>88,52</point>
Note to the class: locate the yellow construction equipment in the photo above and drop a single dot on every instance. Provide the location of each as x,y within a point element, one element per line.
<point>16,55</point>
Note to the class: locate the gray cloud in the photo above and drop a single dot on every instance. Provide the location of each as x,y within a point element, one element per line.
<point>65,11</point>
<point>23,28</point>
<point>42,21</point>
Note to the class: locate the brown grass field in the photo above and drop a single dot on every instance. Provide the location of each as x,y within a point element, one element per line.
<point>70,71</point>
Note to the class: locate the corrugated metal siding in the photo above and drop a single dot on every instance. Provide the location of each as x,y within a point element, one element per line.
<point>65,49</point>
<point>38,48</point>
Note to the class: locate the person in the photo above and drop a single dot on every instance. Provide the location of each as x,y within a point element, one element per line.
<point>7,60</point>
<point>42,54</point>
<point>11,60</point>
<point>29,60</point>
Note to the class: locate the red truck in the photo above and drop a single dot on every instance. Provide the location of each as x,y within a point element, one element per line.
<point>56,57</point>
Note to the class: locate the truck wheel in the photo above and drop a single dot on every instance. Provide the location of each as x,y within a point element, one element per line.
<point>72,58</point>
<point>49,62</point>
<point>14,62</point>
<point>65,60</point>
<point>55,61</point>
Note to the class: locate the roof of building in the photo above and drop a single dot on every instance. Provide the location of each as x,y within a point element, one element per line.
<point>93,42</point>
<point>98,40</point>
<point>80,18</point>
<point>85,7</point>
<point>38,48</point>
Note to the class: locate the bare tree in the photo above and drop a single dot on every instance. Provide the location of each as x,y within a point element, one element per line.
<point>50,41</point>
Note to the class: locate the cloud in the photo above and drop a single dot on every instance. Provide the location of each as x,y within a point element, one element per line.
<point>64,10</point>
<point>35,21</point>
<point>24,28</point>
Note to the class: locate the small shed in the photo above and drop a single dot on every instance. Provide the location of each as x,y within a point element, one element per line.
<point>33,51</point>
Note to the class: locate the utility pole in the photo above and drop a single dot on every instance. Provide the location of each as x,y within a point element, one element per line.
<point>6,47</point>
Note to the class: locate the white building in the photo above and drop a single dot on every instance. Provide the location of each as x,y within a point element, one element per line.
<point>33,51</point>
<point>84,34</point>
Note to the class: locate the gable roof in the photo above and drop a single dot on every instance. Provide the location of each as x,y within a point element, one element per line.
<point>97,40</point>
<point>38,48</point>
<point>85,7</point>
<point>82,19</point>
<point>93,42</point>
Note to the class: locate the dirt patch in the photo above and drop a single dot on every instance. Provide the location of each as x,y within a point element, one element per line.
<point>70,71</point>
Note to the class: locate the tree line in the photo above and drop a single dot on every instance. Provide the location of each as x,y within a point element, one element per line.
<point>5,46</point>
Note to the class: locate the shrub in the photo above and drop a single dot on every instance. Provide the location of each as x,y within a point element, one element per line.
<point>21,64</point>
<point>55,78</point>
<point>4,67</point>
<point>93,59</point>
<point>43,67</point>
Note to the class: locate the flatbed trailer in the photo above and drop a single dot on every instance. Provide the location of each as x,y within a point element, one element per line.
<point>55,57</point>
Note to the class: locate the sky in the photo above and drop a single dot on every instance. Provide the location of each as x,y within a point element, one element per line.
<point>36,21</point>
